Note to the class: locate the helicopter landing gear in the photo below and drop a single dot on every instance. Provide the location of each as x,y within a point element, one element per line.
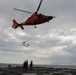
<point>34,26</point>
<point>48,21</point>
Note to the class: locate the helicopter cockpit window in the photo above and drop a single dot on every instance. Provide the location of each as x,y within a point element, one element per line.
<point>28,18</point>
<point>40,15</point>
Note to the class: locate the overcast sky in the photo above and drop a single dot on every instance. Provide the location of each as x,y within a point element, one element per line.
<point>51,43</point>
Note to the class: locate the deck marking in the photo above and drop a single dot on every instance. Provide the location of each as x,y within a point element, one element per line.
<point>29,74</point>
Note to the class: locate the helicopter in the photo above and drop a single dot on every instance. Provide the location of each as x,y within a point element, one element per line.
<point>34,19</point>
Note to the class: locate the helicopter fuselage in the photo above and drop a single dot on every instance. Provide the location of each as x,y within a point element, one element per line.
<point>37,19</point>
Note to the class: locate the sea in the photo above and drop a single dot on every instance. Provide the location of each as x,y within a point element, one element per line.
<point>46,66</point>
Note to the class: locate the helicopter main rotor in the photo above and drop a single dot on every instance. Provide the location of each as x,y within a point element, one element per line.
<point>28,11</point>
<point>39,6</point>
<point>22,10</point>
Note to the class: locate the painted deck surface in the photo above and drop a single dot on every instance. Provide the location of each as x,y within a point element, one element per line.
<point>37,71</point>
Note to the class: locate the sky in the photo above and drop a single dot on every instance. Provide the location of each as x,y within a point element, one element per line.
<point>52,43</point>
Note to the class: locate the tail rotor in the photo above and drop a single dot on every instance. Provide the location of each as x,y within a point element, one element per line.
<point>16,24</point>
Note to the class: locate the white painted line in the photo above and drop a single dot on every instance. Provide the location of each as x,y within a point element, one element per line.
<point>1,72</point>
<point>11,74</point>
<point>61,72</point>
<point>45,74</point>
<point>68,73</point>
<point>29,74</point>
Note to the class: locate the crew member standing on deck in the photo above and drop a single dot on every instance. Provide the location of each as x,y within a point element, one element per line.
<point>25,65</point>
<point>31,65</point>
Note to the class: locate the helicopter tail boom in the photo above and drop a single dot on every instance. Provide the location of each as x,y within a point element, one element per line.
<point>16,25</point>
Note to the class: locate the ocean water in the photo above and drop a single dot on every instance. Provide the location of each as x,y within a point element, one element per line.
<point>59,66</point>
<point>6,65</point>
<point>47,66</point>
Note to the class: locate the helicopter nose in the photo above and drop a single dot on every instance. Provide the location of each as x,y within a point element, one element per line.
<point>51,17</point>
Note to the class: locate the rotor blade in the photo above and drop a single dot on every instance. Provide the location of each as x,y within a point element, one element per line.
<point>22,10</point>
<point>39,6</point>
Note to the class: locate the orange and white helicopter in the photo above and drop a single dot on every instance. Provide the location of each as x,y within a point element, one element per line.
<point>34,19</point>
